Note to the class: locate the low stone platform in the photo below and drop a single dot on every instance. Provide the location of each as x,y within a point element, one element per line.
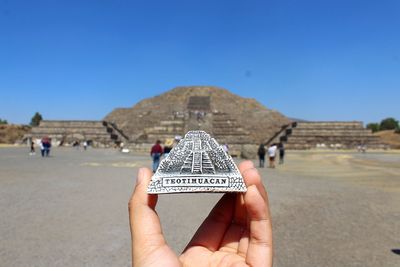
<point>326,134</point>
<point>98,133</point>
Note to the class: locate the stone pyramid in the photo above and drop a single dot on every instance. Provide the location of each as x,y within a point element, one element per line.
<point>229,118</point>
<point>197,164</point>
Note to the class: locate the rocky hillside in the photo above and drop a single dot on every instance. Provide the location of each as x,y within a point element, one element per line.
<point>390,138</point>
<point>10,134</point>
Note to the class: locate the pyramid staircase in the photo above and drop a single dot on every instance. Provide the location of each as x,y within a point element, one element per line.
<point>226,129</point>
<point>164,129</point>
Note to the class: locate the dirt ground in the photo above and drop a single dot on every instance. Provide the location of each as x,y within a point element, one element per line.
<point>328,208</point>
<point>390,137</point>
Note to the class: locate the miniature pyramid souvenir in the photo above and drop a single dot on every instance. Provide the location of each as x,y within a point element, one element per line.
<point>197,164</point>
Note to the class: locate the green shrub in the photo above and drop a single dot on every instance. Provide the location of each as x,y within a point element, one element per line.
<point>389,124</point>
<point>373,126</point>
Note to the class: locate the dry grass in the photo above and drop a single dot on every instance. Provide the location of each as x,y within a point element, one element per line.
<point>9,134</point>
<point>391,138</point>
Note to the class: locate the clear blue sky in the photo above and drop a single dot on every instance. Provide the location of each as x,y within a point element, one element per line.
<point>309,59</point>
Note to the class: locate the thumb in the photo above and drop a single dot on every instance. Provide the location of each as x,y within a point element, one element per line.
<point>144,222</point>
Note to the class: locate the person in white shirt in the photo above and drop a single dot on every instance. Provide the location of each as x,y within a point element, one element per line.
<point>271,154</point>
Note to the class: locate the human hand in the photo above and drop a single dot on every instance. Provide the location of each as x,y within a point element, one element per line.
<point>237,232</point>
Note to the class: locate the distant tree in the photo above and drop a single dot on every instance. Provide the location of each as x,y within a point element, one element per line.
<point>373,126</point>
<point>389,124</point>
<point>36,119</point>
<point>3,121</point>
<point>397,128</point>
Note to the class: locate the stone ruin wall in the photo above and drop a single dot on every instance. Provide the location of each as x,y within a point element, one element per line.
<point>65,132</point>
<point>327,135</point>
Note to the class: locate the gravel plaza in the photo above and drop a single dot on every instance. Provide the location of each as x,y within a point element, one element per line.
<point>329,208</point>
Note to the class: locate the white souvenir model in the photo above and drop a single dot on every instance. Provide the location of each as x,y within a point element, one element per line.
<point>197,164</point>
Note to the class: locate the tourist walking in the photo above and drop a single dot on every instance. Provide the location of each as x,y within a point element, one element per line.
<point>156,152</point>
<point>84,145</point>
<point>41,148</point>
<point>32,153</point>
<point>261,155</point>
<point>46,146</point>
<point>271,154</point>
<point>281,153</point>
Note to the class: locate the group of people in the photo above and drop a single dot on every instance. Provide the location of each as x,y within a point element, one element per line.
<point>77,144</point>
<point>157,151</point>
<point>45,145</point>
<point>271,151</point>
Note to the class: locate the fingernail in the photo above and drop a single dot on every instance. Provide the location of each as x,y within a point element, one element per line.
<point>140,176</point>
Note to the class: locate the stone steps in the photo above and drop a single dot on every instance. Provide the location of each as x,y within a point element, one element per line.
<point>330,124</point>
<point>161,137</point>
<point>164,129</point>
<point>172,123</point>
<point>225,133</point>
<point>226,129</point>
<point>328,134</point>
<point>199,103</point>
<point>100,133</point>
<point>337,139</point>
<point>161,130</point>
<point>306,135</point>
<point>231,140</point>
<point>53,124</point>
<point>68,130</point>
<point>331,146</point>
